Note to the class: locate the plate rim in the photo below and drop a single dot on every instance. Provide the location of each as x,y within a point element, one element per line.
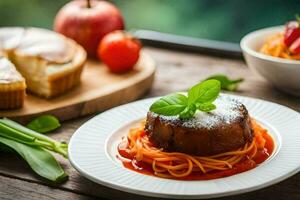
<point>172,195</point>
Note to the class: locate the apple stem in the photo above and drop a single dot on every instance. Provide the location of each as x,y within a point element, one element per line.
<point>88,3</point>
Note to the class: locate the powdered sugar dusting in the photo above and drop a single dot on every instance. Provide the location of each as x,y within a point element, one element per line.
<point>227,111</point>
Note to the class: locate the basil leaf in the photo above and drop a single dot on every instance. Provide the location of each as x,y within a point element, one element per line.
<point>206,107</point>
<point>170,105</point>
<point>40,160</point>
<point>188,112</point>
<point>199,97</point>
<point>206,91</point>
<point>226,83</point>
<point>44,124</point>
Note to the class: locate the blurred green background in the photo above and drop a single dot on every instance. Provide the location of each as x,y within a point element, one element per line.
<point>213,19</point>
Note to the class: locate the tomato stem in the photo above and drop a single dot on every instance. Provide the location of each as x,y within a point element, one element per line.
<point>88,2</point>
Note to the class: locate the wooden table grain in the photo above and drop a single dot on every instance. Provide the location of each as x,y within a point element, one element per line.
<point>176,71</point>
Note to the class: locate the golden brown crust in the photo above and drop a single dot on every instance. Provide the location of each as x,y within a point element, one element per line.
<point>60,84</point>
<point>12,99</point>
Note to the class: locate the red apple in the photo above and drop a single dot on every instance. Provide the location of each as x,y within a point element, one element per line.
<point>87,21</point>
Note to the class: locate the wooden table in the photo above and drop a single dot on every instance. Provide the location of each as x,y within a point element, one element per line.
<point>176,71</point>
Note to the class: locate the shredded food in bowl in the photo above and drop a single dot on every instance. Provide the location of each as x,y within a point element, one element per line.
<point>274,46</point>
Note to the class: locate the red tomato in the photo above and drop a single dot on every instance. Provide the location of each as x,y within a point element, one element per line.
<point>119,51</point>
<point>295,47</point>
<point>292,32</point>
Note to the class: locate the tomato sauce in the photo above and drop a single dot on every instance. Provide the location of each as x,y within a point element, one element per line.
<point>246,164</point>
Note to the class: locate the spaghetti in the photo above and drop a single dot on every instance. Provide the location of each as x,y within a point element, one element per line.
<point>274,46</point>
<point>138,153</point>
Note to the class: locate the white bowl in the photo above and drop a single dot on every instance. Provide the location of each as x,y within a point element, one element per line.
<point>282,73</point>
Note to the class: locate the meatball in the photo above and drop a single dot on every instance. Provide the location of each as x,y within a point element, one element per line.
<point>224,129</point>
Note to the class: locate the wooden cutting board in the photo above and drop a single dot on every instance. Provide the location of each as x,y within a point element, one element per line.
<point>99,90</point>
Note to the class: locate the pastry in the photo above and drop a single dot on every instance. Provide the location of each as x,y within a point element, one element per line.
<point>12,86</point>
<point>50,63</point>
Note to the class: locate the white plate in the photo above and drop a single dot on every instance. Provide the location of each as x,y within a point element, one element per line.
<point>92,151</point>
